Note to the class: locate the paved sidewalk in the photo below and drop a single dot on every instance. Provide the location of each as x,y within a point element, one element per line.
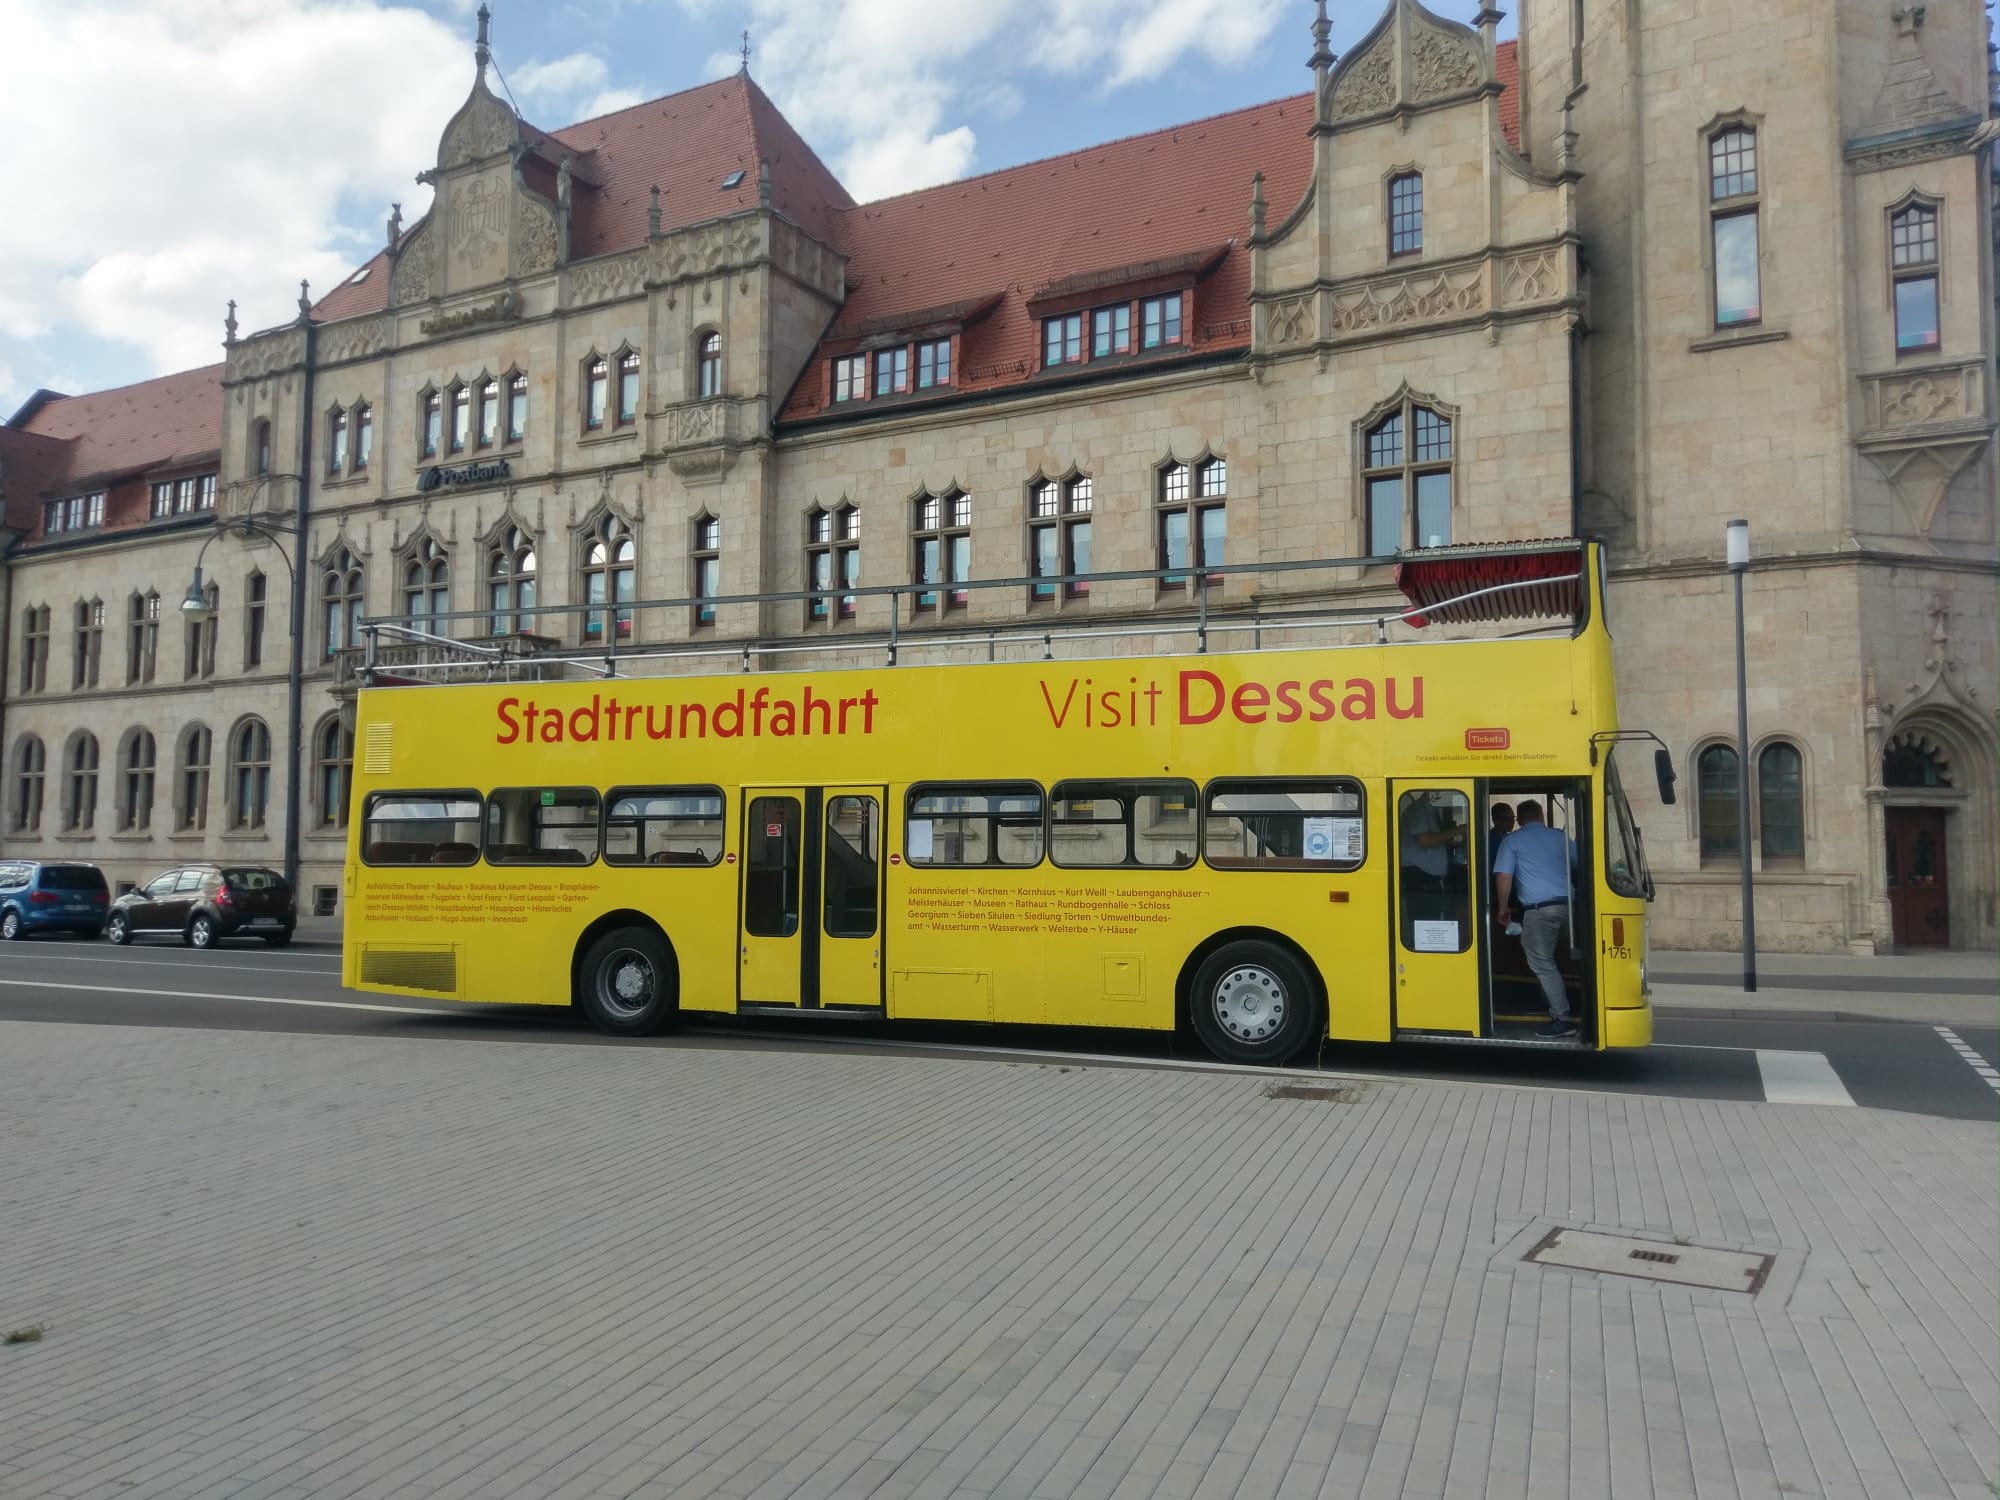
<point>1939,988</point>
<point>289,1266</point>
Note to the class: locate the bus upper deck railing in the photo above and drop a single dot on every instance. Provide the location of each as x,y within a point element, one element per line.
<point>396,649</point>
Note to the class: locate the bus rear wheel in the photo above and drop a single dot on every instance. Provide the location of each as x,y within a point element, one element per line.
<point>1254,1003</point>
<point>627,984</point>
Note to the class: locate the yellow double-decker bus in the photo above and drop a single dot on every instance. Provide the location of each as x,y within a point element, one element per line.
<point>1271,847</point>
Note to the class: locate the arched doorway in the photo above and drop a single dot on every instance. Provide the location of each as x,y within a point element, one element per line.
<point>1917,846</point>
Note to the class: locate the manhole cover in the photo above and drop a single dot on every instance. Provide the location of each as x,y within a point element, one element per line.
<point>1685,1265</point>
<point>1331,1093</point>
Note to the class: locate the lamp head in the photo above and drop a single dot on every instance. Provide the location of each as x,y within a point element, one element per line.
<point>194,608</point>
<point>1736,543</point>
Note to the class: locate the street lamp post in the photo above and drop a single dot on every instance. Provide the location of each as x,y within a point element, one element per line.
<point>1736,539</point>
<point>195,610</point>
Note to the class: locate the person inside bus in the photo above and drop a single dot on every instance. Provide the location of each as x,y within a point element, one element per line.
<point>1535,867</point>
<point>1502,814</point>
<point>1426,844</point>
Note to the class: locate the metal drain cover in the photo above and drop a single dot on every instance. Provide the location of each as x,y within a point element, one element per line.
<point>1650,1260</point>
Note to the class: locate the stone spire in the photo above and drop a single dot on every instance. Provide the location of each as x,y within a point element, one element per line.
<point>1257,207</point>
<point>229,323</point>
<point>305,303</point>
<point>395,225</point>
<point>482,50</point>
<point>763,182</point>
<point>653,213</point>
<point>1324,57</point>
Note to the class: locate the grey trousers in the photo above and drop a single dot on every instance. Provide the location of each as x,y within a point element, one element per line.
<point>1541,931</point>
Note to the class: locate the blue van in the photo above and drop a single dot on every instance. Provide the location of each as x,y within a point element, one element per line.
<point>51,897</point>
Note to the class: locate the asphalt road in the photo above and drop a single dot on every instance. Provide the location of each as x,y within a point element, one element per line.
<point>1887,1065</point>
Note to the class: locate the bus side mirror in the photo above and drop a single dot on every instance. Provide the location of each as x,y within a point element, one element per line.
<point>1663,772</point>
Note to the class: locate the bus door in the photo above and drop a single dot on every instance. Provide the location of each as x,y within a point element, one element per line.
<point>1437,903</point>
<point>811,926</point>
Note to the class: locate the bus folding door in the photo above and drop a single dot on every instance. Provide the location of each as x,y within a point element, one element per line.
<point>1436,905</point>
<point>811,909</point>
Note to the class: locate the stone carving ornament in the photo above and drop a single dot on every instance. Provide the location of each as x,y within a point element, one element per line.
<point>1442,64</point>
<point>412,280</point>
<point>694,424</point>
<point>535,238</point>
<point>602,280</point>
<point>1530,278</point>
<point>1368,86</point>
<point>253,359</point>
<point>485,128</point>
<point>1290,322</point>
<point>355,340</point>
<point>1414,299</point>
<point>1917,399</point>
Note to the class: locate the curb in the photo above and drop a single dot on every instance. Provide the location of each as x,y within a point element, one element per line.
<point>1746,1013</point>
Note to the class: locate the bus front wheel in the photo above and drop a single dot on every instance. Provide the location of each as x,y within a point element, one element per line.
<point>627,984</point>
<point>1253,1003</point>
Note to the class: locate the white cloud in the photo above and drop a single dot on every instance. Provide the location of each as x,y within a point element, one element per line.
<point>892,80</point>
<point>215,147</point>
<point>561,79</point>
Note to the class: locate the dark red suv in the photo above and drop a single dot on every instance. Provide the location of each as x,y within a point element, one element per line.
<point>201,904</point>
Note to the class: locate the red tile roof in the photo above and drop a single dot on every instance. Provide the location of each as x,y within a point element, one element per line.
<point>30,466</point>
<point>66,445</point>
<point>1507,66</point>
<point>175,419</point>
<point>1154,207</point>
<point>686,144</point>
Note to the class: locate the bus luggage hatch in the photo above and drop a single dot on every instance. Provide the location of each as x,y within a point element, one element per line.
<point>811,898</point>
<point>1437,943</point>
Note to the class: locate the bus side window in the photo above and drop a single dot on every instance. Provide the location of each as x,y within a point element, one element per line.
<point>420,828</point>
<point>541,826</point>
<point>663,825</point>
<point>974,823</point>
<point>1102,824</point>
<point>1285,823</point>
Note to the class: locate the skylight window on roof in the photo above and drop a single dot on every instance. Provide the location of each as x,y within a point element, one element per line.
<point>733,180</point>
<point>359,276</point>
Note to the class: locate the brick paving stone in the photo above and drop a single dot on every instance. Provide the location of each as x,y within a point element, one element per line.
<point>354,1266</point>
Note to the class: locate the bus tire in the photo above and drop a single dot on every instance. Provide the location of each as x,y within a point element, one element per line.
<point>627,983</point>
<point>1253,1003</point>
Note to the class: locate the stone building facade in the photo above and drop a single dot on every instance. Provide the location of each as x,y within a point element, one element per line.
<point>1621,276</point>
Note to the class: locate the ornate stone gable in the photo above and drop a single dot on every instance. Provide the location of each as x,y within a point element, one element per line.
<point>1411,60</point>
<point>482,128</point>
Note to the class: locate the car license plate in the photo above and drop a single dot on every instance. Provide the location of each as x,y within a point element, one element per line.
<point>77,906</point>
<point>263,921</point>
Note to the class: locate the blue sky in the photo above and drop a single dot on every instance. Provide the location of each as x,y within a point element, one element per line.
<point>228,148</point>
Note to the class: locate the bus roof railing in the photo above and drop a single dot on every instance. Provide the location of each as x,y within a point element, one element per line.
<point>1514,581</point>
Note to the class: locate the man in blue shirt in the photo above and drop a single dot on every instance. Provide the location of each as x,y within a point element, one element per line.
<point>1533,871</point>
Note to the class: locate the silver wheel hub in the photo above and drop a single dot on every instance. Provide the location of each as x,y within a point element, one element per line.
<point>627,982</point>
<point>1250,1003</point>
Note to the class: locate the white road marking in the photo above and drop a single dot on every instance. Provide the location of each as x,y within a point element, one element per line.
<point>99,958</point>
<point>1800,1078</point>
<point>119,989</point>
<point>1979,1064</point>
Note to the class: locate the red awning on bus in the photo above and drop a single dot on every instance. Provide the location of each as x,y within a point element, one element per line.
<point>1488,584</point>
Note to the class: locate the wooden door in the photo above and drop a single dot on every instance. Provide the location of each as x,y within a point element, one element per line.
<point>1919,892</point>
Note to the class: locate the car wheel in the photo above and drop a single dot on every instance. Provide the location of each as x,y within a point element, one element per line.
<point>628,983</point>
<point>201,932</point>
<point>118,928</point>
<point>10,925</point>
<point>277,939</point>
<point>1254,1003</point>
